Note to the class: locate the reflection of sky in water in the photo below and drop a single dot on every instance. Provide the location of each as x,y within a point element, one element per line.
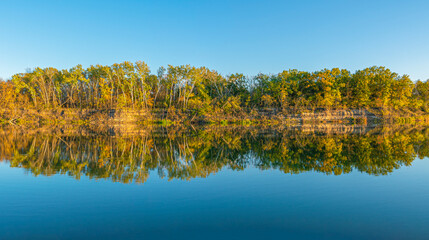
<point>250,203</point>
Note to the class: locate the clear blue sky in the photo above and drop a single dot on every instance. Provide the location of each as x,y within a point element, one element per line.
<point>229,36</point>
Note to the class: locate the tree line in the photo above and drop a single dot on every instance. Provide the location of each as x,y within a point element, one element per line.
<point>201,90</point>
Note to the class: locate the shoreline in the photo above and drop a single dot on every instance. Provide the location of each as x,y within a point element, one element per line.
<point>113,117</point>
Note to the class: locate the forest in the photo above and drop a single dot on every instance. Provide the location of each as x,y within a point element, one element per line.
<point>199,90</point>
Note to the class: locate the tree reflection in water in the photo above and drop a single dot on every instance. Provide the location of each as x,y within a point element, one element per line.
<point>189,154</point>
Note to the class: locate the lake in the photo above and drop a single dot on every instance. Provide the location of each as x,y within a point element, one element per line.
<point>226,182</point>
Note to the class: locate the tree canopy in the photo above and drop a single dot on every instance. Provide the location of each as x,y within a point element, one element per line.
<point>201,90</point>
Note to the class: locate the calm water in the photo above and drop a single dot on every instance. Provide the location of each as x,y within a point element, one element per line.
<point>214,184</point>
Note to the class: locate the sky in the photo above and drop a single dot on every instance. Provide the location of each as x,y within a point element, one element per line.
<point>230,36</point>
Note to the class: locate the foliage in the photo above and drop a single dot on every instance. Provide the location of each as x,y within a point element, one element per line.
<point>198,90</point>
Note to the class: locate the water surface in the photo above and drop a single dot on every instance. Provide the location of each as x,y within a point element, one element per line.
<point>214,183</point>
